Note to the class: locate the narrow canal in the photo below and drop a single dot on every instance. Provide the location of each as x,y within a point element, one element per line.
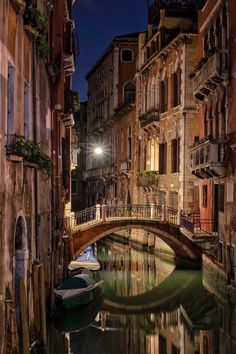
<point>147,307</point>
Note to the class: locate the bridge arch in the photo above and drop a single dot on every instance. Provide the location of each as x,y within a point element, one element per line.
<point>171,234</point>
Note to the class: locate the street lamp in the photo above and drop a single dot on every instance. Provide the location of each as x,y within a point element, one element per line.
<point>98,150</point>
<point>93,148</point>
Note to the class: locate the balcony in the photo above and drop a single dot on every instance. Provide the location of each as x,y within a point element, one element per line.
<point>105,172</point>
<point>207,157</point>
<point>149,117</point>
<point>69,63</point>
<point>68,120</point>
<point>211,72</point>
<point>148,179</point>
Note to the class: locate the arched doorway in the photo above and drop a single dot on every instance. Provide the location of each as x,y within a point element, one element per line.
<point>21,254</point>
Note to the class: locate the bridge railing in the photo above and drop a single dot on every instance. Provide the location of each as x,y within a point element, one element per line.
<point>134,211</point>
<point>101,213</point>
<point>199,227</point>
<point>86,216</point>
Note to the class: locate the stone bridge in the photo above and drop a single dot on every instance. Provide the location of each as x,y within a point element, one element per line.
<point>92,224</point>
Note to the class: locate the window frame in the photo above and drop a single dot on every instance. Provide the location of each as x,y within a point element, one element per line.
<point>121,55</point>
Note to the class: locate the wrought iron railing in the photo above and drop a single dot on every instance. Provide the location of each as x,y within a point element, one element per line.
<point>98,213</point>
<point>86,216</point>
<point>199,227</point>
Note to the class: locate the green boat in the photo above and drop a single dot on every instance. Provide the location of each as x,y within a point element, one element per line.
<point>77,318</point>
<point>78,290</point>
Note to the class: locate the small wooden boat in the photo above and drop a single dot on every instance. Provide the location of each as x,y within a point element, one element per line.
<point>77,318</point>
<point>78,290</point>
<point>86,260</point>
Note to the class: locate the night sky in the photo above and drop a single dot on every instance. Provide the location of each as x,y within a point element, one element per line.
<point>97,23</point>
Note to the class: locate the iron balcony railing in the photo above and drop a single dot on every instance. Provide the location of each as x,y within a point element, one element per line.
<point>199,228</point>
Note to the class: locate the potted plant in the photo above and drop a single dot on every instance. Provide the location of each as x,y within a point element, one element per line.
<point>31,152</point>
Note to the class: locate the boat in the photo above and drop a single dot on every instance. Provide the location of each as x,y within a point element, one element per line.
<point>85,260</point>
<point>77,318</point>
<point>78,290</point>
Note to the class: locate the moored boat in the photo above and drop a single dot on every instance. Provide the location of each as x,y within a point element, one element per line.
<point>77,318</point>
<point>85,260</point>
<point>78,290</point>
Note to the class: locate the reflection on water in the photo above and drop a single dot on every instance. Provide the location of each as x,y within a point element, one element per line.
<point>150,308</point>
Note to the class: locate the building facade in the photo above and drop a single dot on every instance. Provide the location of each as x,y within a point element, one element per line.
<point>213,154</point>
<point>34,132</point>
<point>111,94</point>
<point>165,109</point>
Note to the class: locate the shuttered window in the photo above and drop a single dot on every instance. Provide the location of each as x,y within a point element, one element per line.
<point>175,160</point>
<point>162,158</point>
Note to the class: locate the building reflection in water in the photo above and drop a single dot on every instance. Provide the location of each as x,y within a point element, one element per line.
<point>151,308</point>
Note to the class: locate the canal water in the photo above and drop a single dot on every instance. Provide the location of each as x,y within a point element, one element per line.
<point>147,307</point>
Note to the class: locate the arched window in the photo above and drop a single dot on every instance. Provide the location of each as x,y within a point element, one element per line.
<point>129,92</point>
<point>153,92</point>
<point>164,95</point>
<point>149,94</point>
<point>127,55</point>
<point>176,87</point>
<point>144,97</point>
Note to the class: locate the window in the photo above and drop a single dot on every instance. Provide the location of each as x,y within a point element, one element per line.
<point>162,345</point>
<point>176,87</point>
<point>74,157</point>
<point>127,55</point>
<point>175,160</point>
<point>164,95</point>
<point>10,99</point>
<point>129,92</point>
<point>174,200</point>
<point>162,158</point>
<point>174,349</point>
<point>26,110</point>
<point>74,186</point>
<point>162,198</point>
